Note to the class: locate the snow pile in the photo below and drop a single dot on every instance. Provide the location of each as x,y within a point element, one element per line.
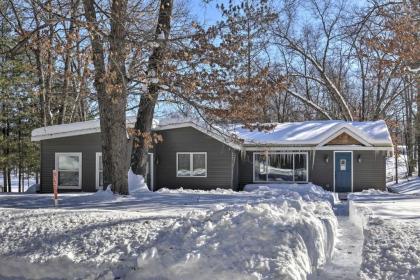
<point>391,250</point>
<point>93,236</point>
<point>33,188</point>
<point>285,240</point>
<point>101,195</point>
<point>407,187</point>
<point>136,183</point>
<point>270,233</point>
<point>391,229</point>
<point>197,191</point>
<point>307,191</point>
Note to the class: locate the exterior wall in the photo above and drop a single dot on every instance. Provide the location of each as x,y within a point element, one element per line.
<point>235,169</point>
<point>226,167</point>
<point>322,173</point>
<point>88,145</point>
<point>245,169</point>
<point>188,139</point>
<point>369,173</point>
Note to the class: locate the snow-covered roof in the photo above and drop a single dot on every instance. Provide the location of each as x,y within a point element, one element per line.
<point>307,133</point>
<point>93,126</point>
<point>71,129</point>
<point>312,133</point>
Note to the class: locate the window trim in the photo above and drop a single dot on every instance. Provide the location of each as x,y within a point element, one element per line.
<point>280,153</point>
<point>191,164</point>
<point>56,167</point>
<point>98,154</point>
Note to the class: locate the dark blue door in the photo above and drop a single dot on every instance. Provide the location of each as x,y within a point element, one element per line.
<point>343,171</point>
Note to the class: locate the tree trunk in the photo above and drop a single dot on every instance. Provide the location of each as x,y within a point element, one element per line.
<point>143,126</point>
<point>5,179</point>
<point>67,61</point>
<point>111,90</point>
<point>409,132</point>
<point>416,89</point>
<point>9,180</point>
<point>20,187</point>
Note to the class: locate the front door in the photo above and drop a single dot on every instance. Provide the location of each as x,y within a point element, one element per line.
<point>343,172</point>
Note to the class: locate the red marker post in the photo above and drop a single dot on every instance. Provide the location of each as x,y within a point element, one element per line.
<point>55,187</point>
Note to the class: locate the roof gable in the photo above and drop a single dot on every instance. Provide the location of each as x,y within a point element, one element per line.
<point>343,139</point>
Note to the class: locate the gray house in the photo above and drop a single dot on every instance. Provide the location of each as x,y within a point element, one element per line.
<point>339,156</point>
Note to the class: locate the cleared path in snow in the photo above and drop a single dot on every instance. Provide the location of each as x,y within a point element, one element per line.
<point>347,257</point>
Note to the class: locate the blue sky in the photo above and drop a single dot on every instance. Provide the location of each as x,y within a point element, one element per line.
<point>205,13</point>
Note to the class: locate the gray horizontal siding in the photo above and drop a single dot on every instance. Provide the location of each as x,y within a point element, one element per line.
<point>321,171</point>
<point>88,145</point>
<point>370,172</point>
<point>219,159</point>
<point>226,168</point>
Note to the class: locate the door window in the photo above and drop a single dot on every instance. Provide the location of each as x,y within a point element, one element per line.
<point>342,165</point>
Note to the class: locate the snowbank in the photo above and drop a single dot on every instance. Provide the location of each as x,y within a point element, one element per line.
<point>391,230</point>
<point>391,250</point>
<point>408,187</point>
<point>197,191</point>
<point>33,188</point>
<point>287,240</point>
<point>136,183</point>
<point>276,233</point>
<point>307,191</point>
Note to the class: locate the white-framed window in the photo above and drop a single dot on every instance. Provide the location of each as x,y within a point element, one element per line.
<point>99,181</point>
<point>69,167</point>
<point>191,164</point>
<point>280,166</point>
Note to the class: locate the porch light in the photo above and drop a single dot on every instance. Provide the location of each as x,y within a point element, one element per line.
<point>359,159</point>
<point>326,158</point>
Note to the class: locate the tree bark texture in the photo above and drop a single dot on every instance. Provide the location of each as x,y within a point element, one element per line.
<point>112,95</point>
<point>143,126</point>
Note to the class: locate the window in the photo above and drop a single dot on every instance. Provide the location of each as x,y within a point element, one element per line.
<point>69,167</point>
<point>191,165</point>
<point>281,167</point>
<point>99,171</point>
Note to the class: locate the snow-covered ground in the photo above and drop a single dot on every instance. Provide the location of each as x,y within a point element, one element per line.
<point>15,182</point>
<point>391,229</point>
<point>283,232</point>
<point>402,168</point>
<point>410,186</point>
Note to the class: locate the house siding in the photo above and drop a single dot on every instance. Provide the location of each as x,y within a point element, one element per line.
<point>88,145</point>
<point>322,172</point>
<point>226,167</point>
<point>188,139</point>
<point>370,172</point>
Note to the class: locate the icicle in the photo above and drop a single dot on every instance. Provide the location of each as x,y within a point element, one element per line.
<point>313,157</point>
<point>243,153</point>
